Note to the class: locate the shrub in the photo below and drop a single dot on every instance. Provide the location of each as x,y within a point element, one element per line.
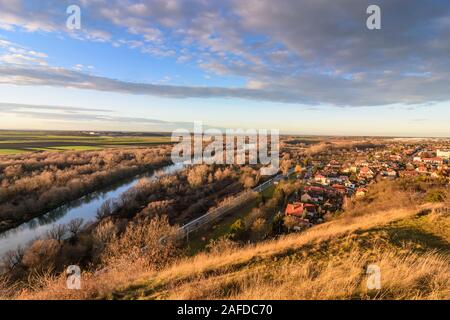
<point>141,244</point>
<point>41,254</point>
<point>277,224</point>
<point>237,229</point>
<point>435,196</point>
<point>258,227</point>
<point>221,245</point>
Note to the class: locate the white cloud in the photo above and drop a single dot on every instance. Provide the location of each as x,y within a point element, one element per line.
<point>16,54</point>
<point>299,51</point>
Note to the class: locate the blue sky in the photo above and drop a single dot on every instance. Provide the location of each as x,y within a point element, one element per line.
<point>302,67</point>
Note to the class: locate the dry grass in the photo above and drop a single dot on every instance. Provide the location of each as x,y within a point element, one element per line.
<point>123,260</point>
<point>93,285</point>
<point>328,261</point>
<point>334,278</point>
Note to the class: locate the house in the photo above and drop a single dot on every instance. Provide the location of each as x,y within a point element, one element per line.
<point>409,166</point>
<point>294,209</point>
<point>391,173</point>
<point>361,163</point>
<point>422,169</point>
<point>443,153</point>
<point>306,198</point>
<point>347,168</point>
<point>320,178</point>
<point>361,192</point>
<point>349,184</point>
<point>314,190</point>
<point>340,188</point>
<point>408,174</point>
<point>310,209</point>
<point>300,209</point>
<point>365,172</point>
<point>334,164</point>
<point>435,160</point>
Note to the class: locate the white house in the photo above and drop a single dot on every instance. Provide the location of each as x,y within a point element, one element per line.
<point>443,153</point>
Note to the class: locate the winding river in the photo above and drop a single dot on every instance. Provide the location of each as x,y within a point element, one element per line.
<point>85,208</point>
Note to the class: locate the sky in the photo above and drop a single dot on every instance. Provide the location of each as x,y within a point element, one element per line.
<point>300,66</point>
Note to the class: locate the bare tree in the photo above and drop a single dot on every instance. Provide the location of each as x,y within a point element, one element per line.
<point>75,226</point>
<point>58,232</point>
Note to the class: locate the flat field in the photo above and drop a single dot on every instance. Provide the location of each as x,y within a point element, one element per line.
<point>15,142</point>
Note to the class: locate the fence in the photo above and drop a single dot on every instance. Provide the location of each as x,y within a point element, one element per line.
<point>214,214</point>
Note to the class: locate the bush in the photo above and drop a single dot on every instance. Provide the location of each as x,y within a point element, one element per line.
<point>259,227</point>
<point>237,229</point>
<point>221,245</point>
<point>277,224</point>
<point>141,243</point>
<point>435,196</point>
<point>41,254</point>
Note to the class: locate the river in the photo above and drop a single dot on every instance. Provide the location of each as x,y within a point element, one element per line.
<point>85,208</point>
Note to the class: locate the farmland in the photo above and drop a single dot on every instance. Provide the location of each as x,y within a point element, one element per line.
<point>17,142</point>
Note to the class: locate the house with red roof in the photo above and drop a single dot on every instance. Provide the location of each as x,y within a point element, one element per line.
<point>435,160</point>
<point>422,169</point>
<point>300,209</point>
<point>340,188</point>
<point>366,173</point>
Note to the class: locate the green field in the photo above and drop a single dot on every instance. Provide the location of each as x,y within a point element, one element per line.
<point>17,142</point>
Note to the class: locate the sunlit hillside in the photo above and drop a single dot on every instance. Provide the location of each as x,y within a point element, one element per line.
<point>410,246</point>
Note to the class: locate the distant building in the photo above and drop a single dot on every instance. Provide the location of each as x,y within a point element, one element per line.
<point>444,153</point>
<point>366,173</point>
<point>422,169</point>
<point>361,192</point>
<point>322,179</point>
<point>435,160</point>
<point>306,198</point>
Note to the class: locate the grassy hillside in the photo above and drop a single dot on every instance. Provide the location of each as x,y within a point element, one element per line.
<point>329,261</point>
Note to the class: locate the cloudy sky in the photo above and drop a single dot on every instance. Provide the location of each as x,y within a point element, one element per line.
<point>301,66</point>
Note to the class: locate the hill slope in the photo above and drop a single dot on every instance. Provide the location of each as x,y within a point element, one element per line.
<point>412,249</point>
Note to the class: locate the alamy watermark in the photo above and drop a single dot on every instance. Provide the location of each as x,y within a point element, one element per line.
<point>73,277</point>
<point>73,22</point>
<point>374,277</point>
<point>233,147</point>
<point>373,22</point>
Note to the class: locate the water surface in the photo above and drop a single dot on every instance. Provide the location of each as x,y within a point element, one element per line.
<point>85,208</point>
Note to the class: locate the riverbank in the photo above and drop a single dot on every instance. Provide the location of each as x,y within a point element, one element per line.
<point>103,182</point>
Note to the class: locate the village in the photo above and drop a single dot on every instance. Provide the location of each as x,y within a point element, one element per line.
<point>331,179</point>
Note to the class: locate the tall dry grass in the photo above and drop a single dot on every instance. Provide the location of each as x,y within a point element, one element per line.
<point>404,276</point>
<point>123,259</point>
<point>305,267</point>
<point>328,261</point>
